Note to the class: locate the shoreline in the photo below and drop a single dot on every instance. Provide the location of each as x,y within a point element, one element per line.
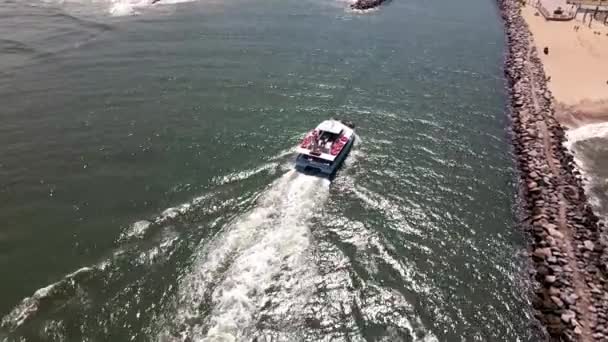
<point>568,255</point>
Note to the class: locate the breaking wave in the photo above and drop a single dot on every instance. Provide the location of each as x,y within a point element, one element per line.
<point>589,145</point>
<point>586,132</point>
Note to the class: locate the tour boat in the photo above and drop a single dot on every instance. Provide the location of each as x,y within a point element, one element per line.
<point>324,149</point>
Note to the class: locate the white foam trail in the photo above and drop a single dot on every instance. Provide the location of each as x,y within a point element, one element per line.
<point>136,230</point>
<point>270,167</point>
<point>287,151</point>
<point>233,271</point>
<point>242,175</point>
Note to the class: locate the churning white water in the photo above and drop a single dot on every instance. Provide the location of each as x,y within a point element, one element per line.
<point>264,248</point>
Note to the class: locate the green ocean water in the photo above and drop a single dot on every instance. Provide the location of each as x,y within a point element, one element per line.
<point>147,188</point>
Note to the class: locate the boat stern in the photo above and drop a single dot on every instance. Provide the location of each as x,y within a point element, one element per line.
<point>308,164</point>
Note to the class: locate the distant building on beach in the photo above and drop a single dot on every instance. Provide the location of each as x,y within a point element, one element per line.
<point>557,9</point>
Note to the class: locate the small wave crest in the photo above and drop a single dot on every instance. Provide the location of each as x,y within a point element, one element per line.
<point>35,303</point>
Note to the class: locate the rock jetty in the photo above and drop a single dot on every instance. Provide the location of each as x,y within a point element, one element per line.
<point>366,4</point>
<point>567,243</point>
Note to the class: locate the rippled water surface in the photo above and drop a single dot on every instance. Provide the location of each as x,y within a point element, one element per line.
<point>147,187</point>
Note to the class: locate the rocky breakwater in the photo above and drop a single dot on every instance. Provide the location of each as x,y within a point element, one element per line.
<point>366,4</point>
<point>567,242</point>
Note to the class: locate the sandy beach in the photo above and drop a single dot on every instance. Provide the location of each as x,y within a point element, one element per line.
<point>576,65</point>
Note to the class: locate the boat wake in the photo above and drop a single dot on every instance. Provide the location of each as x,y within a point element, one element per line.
<point>234,266</point>
<point>260,258</point>
<point>144,244</point>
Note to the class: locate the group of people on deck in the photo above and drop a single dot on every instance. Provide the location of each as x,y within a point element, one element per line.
<point>321,143</point>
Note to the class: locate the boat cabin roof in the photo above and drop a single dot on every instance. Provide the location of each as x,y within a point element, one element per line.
<point>330,126</point>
